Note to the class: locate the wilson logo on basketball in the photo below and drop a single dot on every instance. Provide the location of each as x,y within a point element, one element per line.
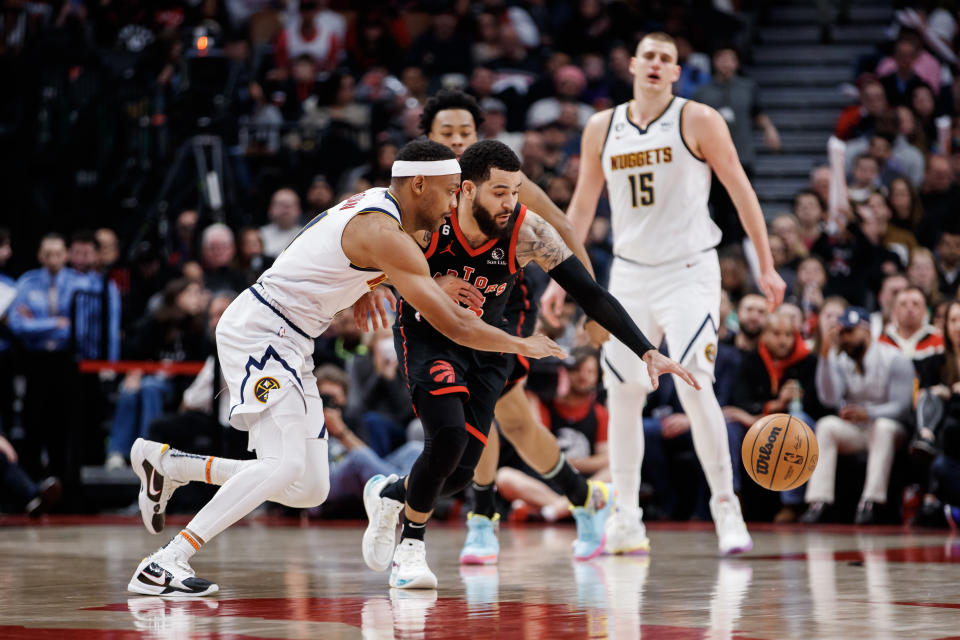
<point>763,460</point>
<point>442,372</point>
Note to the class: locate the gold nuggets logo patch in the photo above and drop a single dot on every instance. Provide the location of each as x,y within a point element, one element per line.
<point>710,352</point>
<point>262,389</point>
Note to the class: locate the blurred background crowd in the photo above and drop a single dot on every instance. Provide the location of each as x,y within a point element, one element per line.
<point>156,157</point>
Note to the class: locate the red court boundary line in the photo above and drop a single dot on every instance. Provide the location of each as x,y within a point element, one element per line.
<point>189,368</point>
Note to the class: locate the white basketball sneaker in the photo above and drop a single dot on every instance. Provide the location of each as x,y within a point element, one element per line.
<point>410,570</point>
<point>383,514</point>
<point>626,534</point>
<point>732,535</point>
<point>155,486</point>
<point>163,574</point>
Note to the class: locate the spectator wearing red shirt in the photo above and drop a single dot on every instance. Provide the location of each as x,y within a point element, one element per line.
<point>909,330</point>
<point>579,422</point>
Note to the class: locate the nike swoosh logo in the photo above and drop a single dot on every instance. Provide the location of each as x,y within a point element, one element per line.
<point>153,492</point>
<point>159,580</point>
<point>402,581</point>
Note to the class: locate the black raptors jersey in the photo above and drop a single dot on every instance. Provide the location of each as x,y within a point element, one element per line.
<point>491,268</point>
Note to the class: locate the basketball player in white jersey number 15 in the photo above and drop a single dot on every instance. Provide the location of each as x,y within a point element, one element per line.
<point>265,343</point>
<point>655,154</point>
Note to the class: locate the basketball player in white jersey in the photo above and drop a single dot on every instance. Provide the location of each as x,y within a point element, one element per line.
<point>655,154</point>
<point>265,342</point>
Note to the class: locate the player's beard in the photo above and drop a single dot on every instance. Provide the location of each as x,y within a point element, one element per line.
<point>488,223</point>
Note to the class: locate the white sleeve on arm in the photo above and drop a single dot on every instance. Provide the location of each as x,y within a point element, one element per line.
<point>899,392</point>
<point>199,395</point>
<point>829,381</point>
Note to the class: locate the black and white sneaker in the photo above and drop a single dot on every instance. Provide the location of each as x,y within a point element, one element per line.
<point>163,574</point>
<point>155,487</point>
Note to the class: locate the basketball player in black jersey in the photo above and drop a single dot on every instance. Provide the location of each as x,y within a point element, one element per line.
<point>451,118</point>
<point>486,243</point>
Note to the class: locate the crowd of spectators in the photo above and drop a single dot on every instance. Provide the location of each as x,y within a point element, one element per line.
<point>183,144</point>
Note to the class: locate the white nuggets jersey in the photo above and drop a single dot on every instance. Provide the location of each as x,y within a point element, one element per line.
<point>658,189</point>
<point>312,279</point>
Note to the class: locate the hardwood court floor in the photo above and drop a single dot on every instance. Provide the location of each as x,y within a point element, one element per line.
<point>64,580</point>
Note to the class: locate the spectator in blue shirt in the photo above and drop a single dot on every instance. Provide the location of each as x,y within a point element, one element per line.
<point>40,313</point>
<point>89,316</point>
<point>40,318</point>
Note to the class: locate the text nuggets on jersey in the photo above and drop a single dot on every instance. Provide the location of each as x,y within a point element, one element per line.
<point>641,158</point>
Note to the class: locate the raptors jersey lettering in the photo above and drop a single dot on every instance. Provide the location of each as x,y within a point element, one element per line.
<point>658,189</point>
<point>313,279</point>
<point>492,268</point>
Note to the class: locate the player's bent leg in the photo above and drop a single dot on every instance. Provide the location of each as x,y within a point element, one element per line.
<point>279,435</point>
<point>312,488</point>
<point>535,443</point>
<point>445,439</point>
<point>625,533</point>
<point>538,446</point>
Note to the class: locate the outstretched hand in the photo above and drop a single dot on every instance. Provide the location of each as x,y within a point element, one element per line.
<point>371,305</point>
<point>659,364</point>
<point>540,346</point>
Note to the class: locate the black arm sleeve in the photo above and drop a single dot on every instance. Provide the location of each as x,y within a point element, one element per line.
<point>599,305</point>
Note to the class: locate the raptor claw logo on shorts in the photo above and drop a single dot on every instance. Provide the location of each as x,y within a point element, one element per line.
<point>262,389</point>
<point>442,371</point>
<point>710,352</point>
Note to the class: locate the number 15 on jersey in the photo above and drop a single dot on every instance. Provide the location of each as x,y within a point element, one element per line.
<point>642,185</point>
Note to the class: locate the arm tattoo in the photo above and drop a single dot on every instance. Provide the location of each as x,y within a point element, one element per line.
<point>539,242</point>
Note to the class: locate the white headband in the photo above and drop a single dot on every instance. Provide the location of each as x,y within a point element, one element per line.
<point>407,168</point>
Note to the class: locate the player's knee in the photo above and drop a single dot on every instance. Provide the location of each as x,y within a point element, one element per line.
<point>316,488</point>
<point>513,429</point>
<point>447,448</point>
<point>457,481</point>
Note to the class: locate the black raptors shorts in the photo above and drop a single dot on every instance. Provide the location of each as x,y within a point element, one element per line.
<point>438,366</point>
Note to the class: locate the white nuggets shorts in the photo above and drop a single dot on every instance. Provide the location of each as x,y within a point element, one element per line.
<point>263,359</point>
<point>679,300</point>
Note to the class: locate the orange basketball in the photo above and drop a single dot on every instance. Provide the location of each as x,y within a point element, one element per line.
<point>780,452</point>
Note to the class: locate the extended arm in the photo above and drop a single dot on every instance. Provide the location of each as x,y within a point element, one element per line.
<point>373,242</point>
<point>711,140</point>
<point>539,242</point>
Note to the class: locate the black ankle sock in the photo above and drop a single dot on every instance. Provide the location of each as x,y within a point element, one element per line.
<point>395,491</point>
<point>569,480</point>
<point>484,503</point>
<point>412,530</point>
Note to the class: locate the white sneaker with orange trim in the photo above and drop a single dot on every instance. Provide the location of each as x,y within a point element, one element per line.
<point>164,574</point>
<point>155,486</point>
